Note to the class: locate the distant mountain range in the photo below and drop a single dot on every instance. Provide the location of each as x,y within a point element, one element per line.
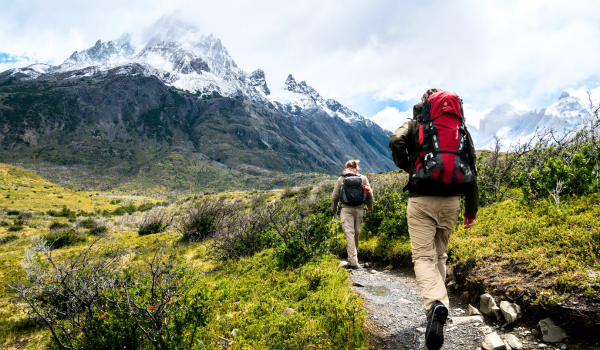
<point>512,125</point>
<point>112,115</point>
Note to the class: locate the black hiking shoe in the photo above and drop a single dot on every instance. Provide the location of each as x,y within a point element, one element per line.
<point>352,267</point>
<point>434,333</point>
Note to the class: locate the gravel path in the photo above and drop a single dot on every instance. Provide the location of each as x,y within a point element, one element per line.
<point>397,321</point>
<point>396,318</point>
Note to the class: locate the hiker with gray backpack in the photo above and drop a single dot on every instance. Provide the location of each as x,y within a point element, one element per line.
<point>436,150</point>
<point>352,191</point>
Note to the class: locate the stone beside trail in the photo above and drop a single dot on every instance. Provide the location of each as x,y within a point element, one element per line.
<point>396,319</point>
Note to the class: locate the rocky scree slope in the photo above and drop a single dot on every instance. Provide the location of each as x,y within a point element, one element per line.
<point>112,112</point>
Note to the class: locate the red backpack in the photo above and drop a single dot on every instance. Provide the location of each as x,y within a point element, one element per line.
<point>444,165</point>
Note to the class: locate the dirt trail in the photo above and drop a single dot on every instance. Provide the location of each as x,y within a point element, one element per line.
<point>396,319</point>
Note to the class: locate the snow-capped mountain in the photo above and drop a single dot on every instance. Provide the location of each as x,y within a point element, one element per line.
<point>512,125</point>
<point>181,57</point>
<point>177,92</point>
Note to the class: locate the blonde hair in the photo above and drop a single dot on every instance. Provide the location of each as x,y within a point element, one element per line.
<point>352,164</point>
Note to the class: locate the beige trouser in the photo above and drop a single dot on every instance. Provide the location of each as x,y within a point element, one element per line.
<point>430,222</point>
<point>351,220</point>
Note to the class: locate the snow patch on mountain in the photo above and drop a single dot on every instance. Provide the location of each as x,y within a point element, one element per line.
<point>108,54</point>
<point>301,99</point>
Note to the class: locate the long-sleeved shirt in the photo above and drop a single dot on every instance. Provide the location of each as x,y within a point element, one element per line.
<point>335,196</point>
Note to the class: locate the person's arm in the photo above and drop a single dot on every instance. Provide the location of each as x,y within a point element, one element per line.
<point>370,197</point>
<point>399,142</point>
<point>335,196</point>
<point>472,193</point>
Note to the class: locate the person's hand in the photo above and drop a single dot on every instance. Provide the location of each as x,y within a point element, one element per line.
<point>469,222</point>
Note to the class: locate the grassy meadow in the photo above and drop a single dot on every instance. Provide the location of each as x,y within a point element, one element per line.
<point>252,301</point>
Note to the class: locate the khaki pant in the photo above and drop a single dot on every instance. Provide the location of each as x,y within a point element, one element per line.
<point>430,222</point>
<point>351,219</point>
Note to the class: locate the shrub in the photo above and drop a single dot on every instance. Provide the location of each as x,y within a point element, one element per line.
<point>203,220</point>
<point>64,212</point>
<point>288,193</point>
<point>89,301</point>
<point>304,235</point>
<point>13,212</point>
<point>57,240</point>
<point>15,227</point>
<point>88,223</point>
<point>8,238</point>
<point>26,217</point>
<point>4,223</point>
<point>388,217</point>
<point>145,207</point>
<point>99,231</point>
<point>155,223</point>
<point>244,233</point>
<point>54,225</point>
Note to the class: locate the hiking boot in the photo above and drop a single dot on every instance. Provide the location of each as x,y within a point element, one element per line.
<point>352,267</point>
<point>434,333</point>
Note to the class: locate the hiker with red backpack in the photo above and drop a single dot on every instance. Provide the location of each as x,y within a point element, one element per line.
<point>352,191</point>
<point>436,150</point>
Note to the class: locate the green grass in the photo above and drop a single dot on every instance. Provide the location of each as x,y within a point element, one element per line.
<point>252,295</point>
<point>248,295</point>
<point>21,189</point>
<point>546,253</point>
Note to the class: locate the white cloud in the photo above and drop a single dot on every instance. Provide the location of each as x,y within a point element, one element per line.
<point>391,118</point>
<point>473,116</point>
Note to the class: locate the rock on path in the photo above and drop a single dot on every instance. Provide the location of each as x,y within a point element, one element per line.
<point>397,321</point>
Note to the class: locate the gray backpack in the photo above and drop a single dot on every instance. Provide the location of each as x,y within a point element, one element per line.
<point>352,192</point>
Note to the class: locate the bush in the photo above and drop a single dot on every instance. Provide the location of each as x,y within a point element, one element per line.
<point>145,206</point>
<point>8,238</point>
<point>99,231</point>
<point>54,225</point>
<point>13,212</point>
<point>155,223</point>
<point>16,227</point>
<point>88,223</point>
<point>57,240</point>
<point>388,217</point>
<point>128,209</point>
<point>90,301</point>
<point>64,212</point>
<point>4,223</point>
<point>303,233</point>
<point>244,233</point>
<point>203,220</point>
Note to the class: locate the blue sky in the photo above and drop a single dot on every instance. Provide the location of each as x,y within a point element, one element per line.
<point>377,57</point>
<point>6,58</point>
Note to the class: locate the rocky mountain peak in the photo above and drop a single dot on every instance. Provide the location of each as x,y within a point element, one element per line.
<point>257,79</point>
<point>564,95</point>
<point>107,53</point>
